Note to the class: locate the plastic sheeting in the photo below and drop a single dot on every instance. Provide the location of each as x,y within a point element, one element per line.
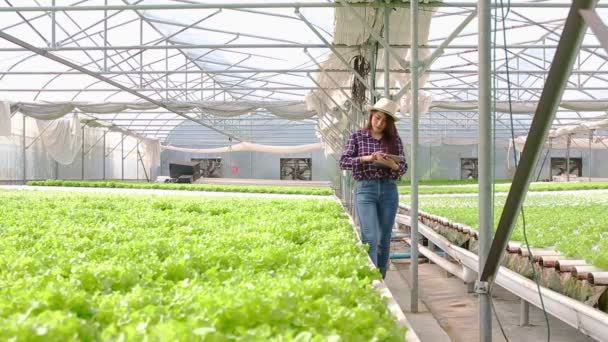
<point>291,110</point>
<point>62,138</point>
<point>251,147</point>
<point>5,119</point>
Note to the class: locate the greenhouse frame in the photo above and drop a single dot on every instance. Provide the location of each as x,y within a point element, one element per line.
<point>503,104</point>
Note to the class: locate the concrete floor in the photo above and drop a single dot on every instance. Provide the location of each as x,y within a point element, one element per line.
<point>449,313</point>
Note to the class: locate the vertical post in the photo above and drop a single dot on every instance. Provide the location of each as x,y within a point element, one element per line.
<point>186,79</point>
<point>141,54</point>
<point>105,38</point>
<point>82,155</point>
<point>23,150</point>
<point>589,161</point>
<point>568,142</point>
<point>122,156</point>
<point>53,24</point>
<point>104,156</point>
<point>544,60</point>
<point>524,313</point>
<point>414,155</point>
<point>167,70</point>
<point>136,163</point>
<point>373,63</point>
<point>549,154</point>
<point>387,84</point>
<point>485,161</point>
<point>230,155</point>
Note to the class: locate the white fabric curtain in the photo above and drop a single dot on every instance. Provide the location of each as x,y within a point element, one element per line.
<point>522,107</point>
<point>251,147</point>
<point>62,138</point>
<point>151,155</point>
<point>5,119</point>
<point>290,110</point>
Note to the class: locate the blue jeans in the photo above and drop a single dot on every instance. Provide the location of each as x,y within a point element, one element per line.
<point>376,202</point>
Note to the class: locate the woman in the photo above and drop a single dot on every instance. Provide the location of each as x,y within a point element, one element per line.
<point>371,154</point>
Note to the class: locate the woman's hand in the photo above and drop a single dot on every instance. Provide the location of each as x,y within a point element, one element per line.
<point>373,157</point>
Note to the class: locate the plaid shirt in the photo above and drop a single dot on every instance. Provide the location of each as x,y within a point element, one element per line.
<point>361,144</point>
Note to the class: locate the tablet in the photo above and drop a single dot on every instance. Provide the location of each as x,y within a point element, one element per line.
<point>394,157</point>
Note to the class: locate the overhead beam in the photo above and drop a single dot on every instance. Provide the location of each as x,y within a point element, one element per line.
<point>271,46</point>
<point>248,5</point>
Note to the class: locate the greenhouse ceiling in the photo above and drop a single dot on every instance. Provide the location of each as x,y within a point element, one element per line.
<point>258,52</point>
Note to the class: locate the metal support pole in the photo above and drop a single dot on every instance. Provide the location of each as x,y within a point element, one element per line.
<point>104,156</point>
<point>53,24</point>
<point>549,154</point>
<point>373,62</point>
<point>141,55</point>
<point>138,156</point>
<point>105,38</point>
<point>414,66</point>
<point>141,160</point>
<point>563,61</point>
<point>82,155</point>
<point>590,157</point>
<point>524,313</point>
<point>387,73</point>
<point>23,150</point>
<point>56,170</point>
<point>122,157</point>
<point>485,160</point>
<point>568,143</point>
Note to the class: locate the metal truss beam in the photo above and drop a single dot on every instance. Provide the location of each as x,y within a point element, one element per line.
<point>61,60</point>
<point>247,5</point>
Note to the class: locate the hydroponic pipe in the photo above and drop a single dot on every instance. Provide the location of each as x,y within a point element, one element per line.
<point>598,278</point>
<point>462,272</point>
<point>406,255</point>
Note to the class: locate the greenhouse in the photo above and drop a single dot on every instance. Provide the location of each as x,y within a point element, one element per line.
<point>341,170</point>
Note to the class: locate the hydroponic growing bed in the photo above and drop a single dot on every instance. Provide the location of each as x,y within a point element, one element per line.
<point>575,224</point>
<point>115,267</point>
<point>189,187</point>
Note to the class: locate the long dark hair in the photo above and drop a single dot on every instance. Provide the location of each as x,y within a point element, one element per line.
<point>389,135</point>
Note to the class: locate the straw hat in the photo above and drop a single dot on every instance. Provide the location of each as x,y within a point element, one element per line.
<point>387,107</point>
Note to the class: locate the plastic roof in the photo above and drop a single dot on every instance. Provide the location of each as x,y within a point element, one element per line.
<point>260,70</point>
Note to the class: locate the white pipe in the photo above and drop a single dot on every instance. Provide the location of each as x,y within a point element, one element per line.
<point>458,270</point>
<point>586,319</point>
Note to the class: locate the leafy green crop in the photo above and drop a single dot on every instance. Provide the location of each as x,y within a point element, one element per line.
<point>115,267</point>
<point>449,181</point>
<point>473,188</point>
<point>192,187</point>
<point>575,224</point>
